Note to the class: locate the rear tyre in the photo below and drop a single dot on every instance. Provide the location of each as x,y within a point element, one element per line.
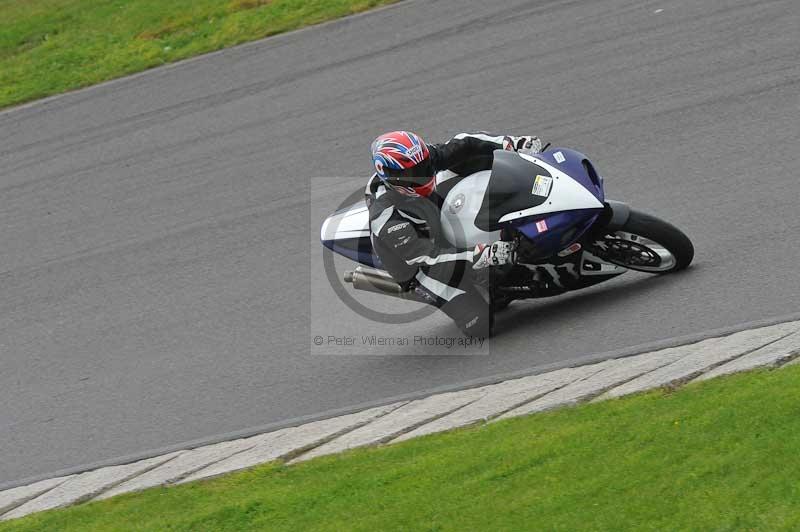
<point>646,244</point>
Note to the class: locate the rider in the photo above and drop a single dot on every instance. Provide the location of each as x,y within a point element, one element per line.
<point>404,218</point>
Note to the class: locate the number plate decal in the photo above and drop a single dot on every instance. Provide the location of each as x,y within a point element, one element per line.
<point>542,185</point>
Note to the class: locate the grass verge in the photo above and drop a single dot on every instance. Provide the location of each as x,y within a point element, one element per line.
<point>721,455</point>
<point>51,46</point>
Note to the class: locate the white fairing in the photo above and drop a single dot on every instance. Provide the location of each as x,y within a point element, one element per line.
<point>460,208</point>
<point>566,194</point>
<point>350,223</point>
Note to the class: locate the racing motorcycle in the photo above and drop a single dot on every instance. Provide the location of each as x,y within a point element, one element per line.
<point>552,204</point>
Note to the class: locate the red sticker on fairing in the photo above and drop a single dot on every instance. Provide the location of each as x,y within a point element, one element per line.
<point>570,250</point>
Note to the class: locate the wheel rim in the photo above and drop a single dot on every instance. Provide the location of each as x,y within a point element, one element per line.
<point>636,252</point>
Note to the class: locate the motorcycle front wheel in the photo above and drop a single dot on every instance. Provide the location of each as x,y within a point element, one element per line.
<point>646,244</point>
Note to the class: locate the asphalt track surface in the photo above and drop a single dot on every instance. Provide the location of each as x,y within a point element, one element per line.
<point>161,278</point>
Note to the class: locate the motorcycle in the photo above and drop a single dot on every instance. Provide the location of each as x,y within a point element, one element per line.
<point>552,204</point>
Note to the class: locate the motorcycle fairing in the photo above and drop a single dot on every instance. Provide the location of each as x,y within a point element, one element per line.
<point>568,192</point>
<point>347,232</point>
<point>577,166</point>
<point>553,233</point>
<point>506,190</point>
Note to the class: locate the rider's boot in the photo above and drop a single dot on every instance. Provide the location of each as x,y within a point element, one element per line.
<point>471,313</point>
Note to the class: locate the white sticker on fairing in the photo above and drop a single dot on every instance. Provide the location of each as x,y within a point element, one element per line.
<point>542,185</point>
<point>559,157</point>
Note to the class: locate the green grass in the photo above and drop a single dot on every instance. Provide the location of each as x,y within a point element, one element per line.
<point>51,46</point>
<point>722,455</point>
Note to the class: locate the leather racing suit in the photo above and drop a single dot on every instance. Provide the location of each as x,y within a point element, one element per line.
<point>406,233</point>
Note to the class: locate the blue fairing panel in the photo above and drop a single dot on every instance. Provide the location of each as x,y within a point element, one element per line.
<point>555,232</point>
<point>578,166</point>
<point>357,249</point>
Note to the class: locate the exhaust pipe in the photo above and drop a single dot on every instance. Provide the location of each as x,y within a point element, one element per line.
<point>379,282</point>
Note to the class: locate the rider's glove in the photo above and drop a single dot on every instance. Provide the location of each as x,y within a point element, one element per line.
<point>528,144</point>
<point>498,254</point>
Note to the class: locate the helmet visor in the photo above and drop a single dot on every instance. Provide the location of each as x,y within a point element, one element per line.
<point>418,175</point>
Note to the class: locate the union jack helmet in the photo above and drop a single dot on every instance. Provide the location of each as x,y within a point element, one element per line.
<point>402,159</point>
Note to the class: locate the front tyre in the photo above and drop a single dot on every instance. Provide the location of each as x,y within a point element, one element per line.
<point>646,244</point>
